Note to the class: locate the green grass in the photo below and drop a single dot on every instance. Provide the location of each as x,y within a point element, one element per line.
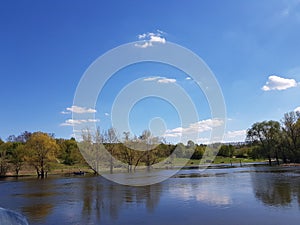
<point>217,160</point>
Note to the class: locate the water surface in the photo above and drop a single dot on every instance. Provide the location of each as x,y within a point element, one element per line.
<point>246,195</point>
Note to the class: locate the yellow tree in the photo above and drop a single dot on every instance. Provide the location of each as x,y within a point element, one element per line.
<point>41,149</point>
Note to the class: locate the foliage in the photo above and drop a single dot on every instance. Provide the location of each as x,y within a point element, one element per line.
<point>3,159</point>
<point>103,150</point>
<point>41,149</point>
<point>267,134</point>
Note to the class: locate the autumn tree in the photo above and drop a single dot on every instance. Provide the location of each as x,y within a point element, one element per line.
<point>17,157</point>
<point>41,149</point>
<point>4,158</point>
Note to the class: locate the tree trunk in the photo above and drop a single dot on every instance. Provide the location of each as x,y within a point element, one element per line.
<point>111,165</point>
<point>38,172</point>
<point>270,161</point>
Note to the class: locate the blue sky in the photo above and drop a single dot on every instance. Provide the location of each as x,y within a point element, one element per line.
<point>252,47</point>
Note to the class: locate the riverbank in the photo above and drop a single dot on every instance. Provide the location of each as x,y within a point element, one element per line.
<point>62,169</point>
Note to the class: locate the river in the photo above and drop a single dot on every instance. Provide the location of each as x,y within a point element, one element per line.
<point>242,195</point>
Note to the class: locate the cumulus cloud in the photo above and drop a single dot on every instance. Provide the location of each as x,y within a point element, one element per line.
<point>148,39</point>
<point>72,122</point>
<point>198,127</point>
<point>78,109</point>
<point>278,83</point>
<point>159,79</point>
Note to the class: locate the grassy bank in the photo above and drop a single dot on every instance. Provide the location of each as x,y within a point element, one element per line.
<point>217,160</point>
<point>59,168</point>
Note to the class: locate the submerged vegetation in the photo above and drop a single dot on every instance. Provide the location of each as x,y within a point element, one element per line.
<point>41,152</point>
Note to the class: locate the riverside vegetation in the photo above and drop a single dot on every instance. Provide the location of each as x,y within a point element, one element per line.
<point>43,153</point>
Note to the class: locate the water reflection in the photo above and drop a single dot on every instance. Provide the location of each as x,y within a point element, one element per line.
<point>276,186</point>
<point>102,198</point>
<point>186,198</point>
<point>211,196</point>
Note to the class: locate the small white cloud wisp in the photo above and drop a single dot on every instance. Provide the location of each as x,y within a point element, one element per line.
<point>78,109</point>
<point>72,122</point>
<point>159,79</point>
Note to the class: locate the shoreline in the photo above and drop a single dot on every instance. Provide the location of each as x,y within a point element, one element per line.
<point>70,172</point>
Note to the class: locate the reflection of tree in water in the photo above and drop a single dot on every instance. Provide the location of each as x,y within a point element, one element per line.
<point>274,188</point>
<point>38,211</point>
<point>150,195</point>
<point>102,197</point>
<point>39,199</point>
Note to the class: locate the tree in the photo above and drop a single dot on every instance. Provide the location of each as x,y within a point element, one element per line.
<point>4,158</point>
<point>41,150</point>
<point>226,151</point>
<point>89,149</point>
<point>110,139</point>
<point>17,157</point>
<point>69,151</point>
<point>148,144</point>
<point>266,134</point>
<point>291,133</point>
<point>127,151</point>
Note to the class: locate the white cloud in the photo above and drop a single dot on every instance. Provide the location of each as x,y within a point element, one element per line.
<point>71,122</point>
<point>166,80</point>
<point>149,38</point>
<point>159,39</point>
<point>297,109</point>
<point>235,136</point>
<point>65,112</point>
<point>198,127</point>
<point>278,83</point>
<point>79,110</point>
<point>163,80</point>
<point>151,78</point>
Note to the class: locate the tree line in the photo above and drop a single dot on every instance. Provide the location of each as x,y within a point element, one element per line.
<point>276,140</point>
<point>105,149</point>
<point>37,150</point>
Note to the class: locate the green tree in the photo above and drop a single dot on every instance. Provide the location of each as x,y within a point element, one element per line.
<point>69,151</point>
<point>17,157</point>
<point>4,158</point>
<point>199,151</point>
<point>226,151</point>
<point>291,134</point>
<point>266,134</point>
<point>41,149</point>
